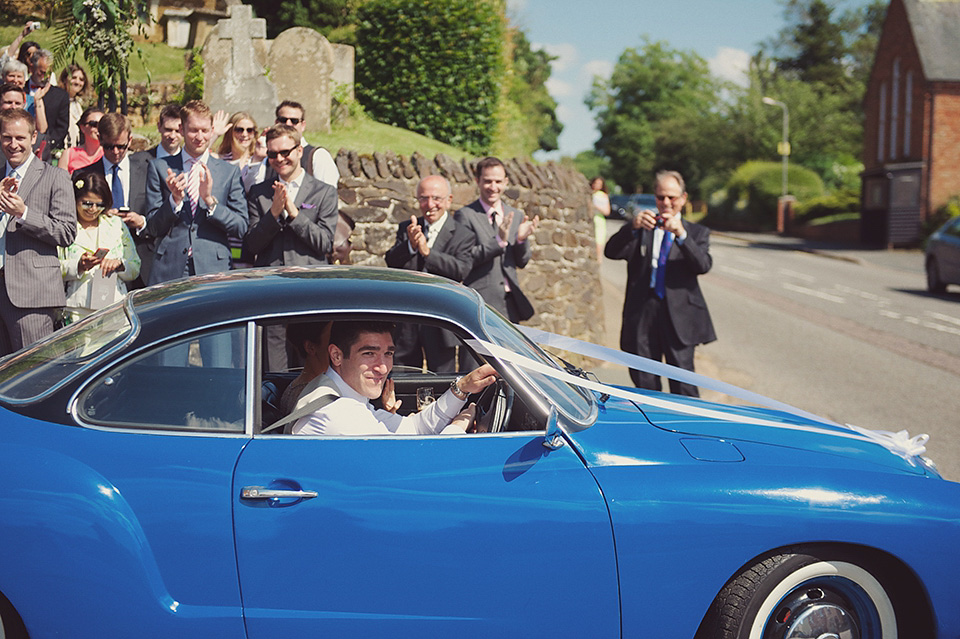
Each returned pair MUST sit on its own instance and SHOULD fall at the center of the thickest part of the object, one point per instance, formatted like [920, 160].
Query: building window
[894, 108]
[907, 113]
[882, 124]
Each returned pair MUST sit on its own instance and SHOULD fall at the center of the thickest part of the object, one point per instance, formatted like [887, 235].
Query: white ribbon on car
[899, 443]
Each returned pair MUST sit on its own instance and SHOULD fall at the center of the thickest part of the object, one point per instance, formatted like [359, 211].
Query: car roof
[192, 303]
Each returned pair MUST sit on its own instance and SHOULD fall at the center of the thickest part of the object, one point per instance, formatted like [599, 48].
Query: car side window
[194, 384]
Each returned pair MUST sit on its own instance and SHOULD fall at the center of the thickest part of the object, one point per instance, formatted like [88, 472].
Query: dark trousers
[651, 335]
[414, 342]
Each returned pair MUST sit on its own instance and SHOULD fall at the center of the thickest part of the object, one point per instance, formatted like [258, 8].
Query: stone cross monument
[235, 80]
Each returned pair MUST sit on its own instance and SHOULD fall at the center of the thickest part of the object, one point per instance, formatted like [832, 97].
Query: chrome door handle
[259, 492]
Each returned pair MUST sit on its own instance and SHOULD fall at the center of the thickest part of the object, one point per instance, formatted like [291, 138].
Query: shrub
[827, 205]
[750, 201]
[433, 66]
[943, 213]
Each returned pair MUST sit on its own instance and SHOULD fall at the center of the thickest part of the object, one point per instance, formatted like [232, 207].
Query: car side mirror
[553, 439]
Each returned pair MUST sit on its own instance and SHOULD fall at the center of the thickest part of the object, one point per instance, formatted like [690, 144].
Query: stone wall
[562, 279]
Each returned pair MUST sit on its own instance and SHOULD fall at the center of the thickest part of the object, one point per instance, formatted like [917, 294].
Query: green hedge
[827, 205]
[433, 66]
[749, 200]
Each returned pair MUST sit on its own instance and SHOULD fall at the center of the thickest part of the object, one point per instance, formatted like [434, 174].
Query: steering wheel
[494, 406]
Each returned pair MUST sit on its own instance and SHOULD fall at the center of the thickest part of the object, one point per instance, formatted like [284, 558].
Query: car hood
[722, 433]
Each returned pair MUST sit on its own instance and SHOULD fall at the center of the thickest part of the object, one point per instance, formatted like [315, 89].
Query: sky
[588, 38]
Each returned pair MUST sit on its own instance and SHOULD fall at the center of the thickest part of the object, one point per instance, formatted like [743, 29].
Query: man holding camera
[664, 313]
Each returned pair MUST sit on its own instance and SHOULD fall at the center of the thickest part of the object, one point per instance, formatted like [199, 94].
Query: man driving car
[361, 358]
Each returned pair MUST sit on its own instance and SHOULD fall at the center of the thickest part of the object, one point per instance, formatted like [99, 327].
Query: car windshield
[573, 402]
[31, 373]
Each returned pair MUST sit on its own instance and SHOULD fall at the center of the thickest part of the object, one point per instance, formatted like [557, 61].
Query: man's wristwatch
[455, 389]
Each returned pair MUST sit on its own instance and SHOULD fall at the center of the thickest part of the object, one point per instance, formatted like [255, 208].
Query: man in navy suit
[194, 203]
[433, 243]
[293, 217]
[168, 125]
[126, 175]
[501, 247]
[664, 313]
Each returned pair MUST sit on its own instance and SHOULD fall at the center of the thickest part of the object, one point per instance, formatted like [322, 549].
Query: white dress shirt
[353, 415]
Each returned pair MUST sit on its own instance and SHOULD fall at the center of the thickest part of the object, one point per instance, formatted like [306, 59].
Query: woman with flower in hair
[103, 256]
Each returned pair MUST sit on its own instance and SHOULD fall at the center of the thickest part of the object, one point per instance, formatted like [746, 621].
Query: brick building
[911, 149]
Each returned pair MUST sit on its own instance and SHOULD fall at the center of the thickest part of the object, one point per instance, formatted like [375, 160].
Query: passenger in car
[361, 358]
[312, 340]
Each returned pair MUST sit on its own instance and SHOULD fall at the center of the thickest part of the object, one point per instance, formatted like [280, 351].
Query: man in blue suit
[194, 203]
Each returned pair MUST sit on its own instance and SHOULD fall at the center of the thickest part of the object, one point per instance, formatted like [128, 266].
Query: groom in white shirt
[361, 358]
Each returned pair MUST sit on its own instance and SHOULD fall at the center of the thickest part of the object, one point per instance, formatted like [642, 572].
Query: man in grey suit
[194, 202]
[126, 175]
[37, 214]
[292, 220]
[501, 247]
[434, 243]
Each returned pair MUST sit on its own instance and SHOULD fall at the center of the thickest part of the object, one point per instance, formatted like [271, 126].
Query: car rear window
[29, 374]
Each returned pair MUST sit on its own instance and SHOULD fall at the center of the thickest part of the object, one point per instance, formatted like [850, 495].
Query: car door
[949, 253]
[467, 536]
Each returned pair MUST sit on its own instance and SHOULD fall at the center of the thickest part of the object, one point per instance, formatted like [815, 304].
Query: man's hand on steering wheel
[478, 379]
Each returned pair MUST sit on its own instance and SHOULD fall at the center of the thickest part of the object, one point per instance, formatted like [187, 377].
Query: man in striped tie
[664, 313]
[194, 203]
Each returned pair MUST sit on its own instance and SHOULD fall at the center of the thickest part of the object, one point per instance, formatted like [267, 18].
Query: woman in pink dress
[89, 152]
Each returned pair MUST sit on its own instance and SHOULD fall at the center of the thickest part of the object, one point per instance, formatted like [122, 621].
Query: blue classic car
[146, 494]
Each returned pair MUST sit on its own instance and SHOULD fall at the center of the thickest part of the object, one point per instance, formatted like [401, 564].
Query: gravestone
[234, 78]
[301, 64]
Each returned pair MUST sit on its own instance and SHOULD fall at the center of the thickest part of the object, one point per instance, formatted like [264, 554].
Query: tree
[100, 30]
[815, 44]
[652, 95]
[531, 70]
[334, 19]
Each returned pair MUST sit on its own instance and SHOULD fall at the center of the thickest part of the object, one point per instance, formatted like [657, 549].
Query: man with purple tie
[664, 313]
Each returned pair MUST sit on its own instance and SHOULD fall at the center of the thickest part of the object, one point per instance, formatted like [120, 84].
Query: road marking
[890, 314]
[940, 327]
[812, 293]
[735, 271]
[800, 276]
[944, 318]
[862, 294]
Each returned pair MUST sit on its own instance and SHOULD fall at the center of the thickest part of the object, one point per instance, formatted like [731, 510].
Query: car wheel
[11, 626]
[934, 283]
[802, 594]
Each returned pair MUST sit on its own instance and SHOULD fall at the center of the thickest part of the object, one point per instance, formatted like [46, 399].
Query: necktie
[193, 183]
[432, 231]
[117, 188]
[661, 285]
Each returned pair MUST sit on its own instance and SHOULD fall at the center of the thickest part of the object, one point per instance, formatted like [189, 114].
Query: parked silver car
[943, 257]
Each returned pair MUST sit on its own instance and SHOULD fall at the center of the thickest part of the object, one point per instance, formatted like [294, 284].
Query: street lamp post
[785, 143]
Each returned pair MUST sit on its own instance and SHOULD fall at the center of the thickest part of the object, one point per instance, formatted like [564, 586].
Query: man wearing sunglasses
[315, 159]
[664, 313]
[194, 203]
[126, 175]
[293, 218]
[37, 215]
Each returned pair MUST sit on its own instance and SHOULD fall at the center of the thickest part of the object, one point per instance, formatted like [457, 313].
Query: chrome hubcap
[813, 613]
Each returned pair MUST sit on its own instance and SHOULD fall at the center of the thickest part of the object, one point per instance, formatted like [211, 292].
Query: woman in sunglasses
[103, 256]
[240, 140]
[89, 150]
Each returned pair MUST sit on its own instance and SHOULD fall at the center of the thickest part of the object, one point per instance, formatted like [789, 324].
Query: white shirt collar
[436, 226]
[22, 169]
[186, 157]
[124, 164]
[345, 389]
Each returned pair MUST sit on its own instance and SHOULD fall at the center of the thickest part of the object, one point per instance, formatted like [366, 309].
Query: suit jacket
[31, 266]
[206, 232]
[306, 239]
[56, 104]
[491, 262]
[685, 303]
[136, 201]
[450, 255]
